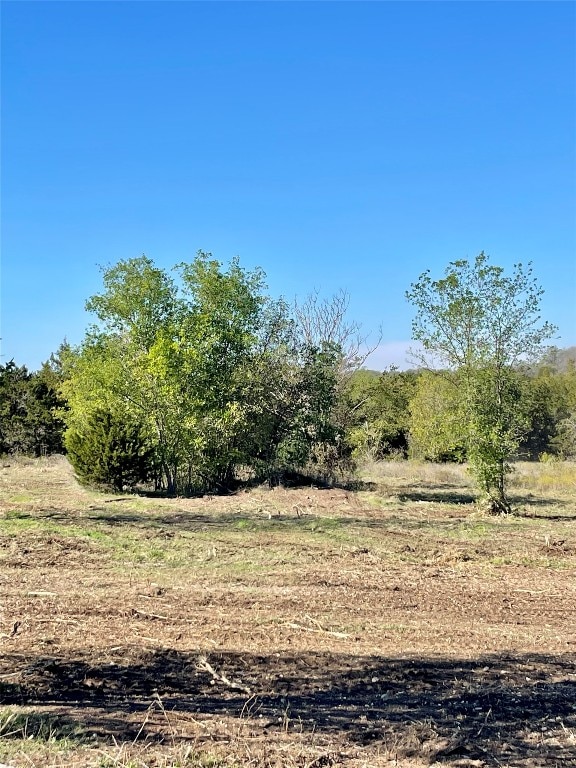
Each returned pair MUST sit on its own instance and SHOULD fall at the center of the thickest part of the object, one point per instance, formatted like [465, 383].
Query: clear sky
[334, 144]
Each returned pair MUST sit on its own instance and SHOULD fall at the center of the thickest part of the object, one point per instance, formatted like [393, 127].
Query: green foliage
[138, 299]
[319, 431]
[110, 452]
[564, 442]
[379, 412]
[549, 403]
[29, 410]
[14, 399]
[476, 316]
[495, 423]
[211, 368]
[436, 420]
[483, 325]
[543, 421]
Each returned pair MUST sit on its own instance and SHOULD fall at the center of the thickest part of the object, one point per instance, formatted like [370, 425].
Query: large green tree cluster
[194, 378]
[209, 368]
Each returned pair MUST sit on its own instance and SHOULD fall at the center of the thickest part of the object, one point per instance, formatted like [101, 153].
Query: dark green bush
[110, 451]
[29, 410]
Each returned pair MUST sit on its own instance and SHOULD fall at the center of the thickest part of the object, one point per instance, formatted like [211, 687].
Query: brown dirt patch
[289, 628]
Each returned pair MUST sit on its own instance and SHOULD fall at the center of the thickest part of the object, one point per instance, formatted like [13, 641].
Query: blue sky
[336, 145]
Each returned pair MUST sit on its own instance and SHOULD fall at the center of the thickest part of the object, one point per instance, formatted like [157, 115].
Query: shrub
[109, 451]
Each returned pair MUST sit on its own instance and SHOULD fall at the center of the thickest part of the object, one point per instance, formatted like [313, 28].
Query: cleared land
[392, 624]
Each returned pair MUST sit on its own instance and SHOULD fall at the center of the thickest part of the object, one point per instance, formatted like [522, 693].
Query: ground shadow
[356, 485]
[496, 708]
[242, 521]
[532, 515]
[286, 480]
[448, 496]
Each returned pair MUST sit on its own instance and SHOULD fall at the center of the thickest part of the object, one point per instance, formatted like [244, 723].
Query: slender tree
[482, 325]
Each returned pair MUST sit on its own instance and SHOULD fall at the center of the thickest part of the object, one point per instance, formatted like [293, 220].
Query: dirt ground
[392, 624]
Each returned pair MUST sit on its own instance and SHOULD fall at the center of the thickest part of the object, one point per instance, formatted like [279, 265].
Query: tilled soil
[318, 653]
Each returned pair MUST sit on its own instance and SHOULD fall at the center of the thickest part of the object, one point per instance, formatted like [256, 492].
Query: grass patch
[16, 514]
[544, 477]
[21, 498]
[36, 727]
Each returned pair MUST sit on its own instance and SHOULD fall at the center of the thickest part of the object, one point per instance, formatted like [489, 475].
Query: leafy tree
[318, 426]
[124, 364]
[210, 368]
[322, 325]
[110, 451]
[563, 443]
[47, 406]
[290, 407]
[379, 408]
[436, 423]
[482, 324]
[163, 354]
[14, 400]
[223, 318]
[547, 402]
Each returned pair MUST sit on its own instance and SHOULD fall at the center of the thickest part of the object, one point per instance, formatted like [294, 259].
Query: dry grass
[546, 477]
[417, 472]
[390, 625]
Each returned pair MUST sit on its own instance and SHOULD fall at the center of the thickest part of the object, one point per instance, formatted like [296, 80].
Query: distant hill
[559, 360]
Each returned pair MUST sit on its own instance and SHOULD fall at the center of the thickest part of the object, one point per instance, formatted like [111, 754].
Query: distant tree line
[31, 409]
[192, 381]
[415, 414]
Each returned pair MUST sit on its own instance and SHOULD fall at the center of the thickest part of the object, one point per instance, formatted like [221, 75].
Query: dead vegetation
[389, 625]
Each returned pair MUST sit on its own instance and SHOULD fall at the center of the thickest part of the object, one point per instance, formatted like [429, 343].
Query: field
[388, 624]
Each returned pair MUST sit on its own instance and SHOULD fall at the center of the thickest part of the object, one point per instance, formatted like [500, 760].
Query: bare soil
[392, 624]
